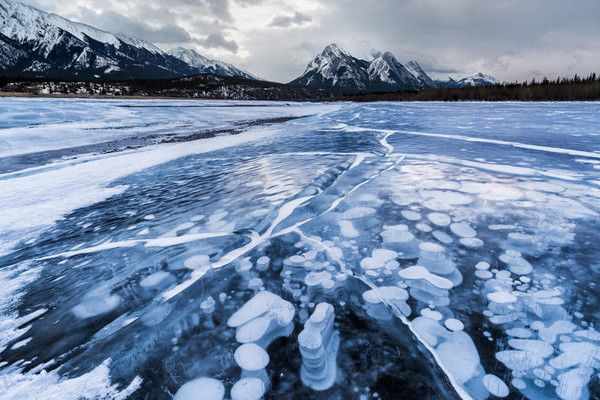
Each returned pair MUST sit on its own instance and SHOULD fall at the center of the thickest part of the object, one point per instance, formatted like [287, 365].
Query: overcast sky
[275, 39]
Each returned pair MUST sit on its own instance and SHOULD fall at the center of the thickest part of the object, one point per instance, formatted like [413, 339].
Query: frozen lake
[300, 251]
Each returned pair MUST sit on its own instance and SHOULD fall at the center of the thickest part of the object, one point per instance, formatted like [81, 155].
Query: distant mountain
[207, 66]
[336, 68]
[387, 74]
[34, 43]
[414, 68]
[473, 80]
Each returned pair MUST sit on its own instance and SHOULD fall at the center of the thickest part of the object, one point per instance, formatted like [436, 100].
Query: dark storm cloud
[115, 22]
[284, 21]
[216, 41]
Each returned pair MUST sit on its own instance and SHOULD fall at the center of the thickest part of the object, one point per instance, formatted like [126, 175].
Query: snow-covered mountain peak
[23, 22]
[206, 65]
[334, 50]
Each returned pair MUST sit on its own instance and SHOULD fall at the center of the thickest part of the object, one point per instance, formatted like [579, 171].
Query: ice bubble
[95, 303]
[251, 357]
[322, 278]
[262, 264]
[411, 215]
[571, 384]
[516, 263]
[439, 200]
[482, 265]
[471, 242]
[500, 192]
[208, 305]
[463, 230]
[429, 329]
[560, 327]
[431, 314]
[385, 294]
[590, 334]
[484, 275]
[156, 279]
[502, 297]
[197, 262]
[459, 355]
[248, 389]
[518, 360]
[454, 324]
[347, 229]
[244, 265]
[262, 318]
[255, 283]
[442, 237]
[418, 272]
[538, 347]
[431, 251]
[201, 388]
[424, 228]
[358, 212]
[319, 344]
[521, 333]
[518, 383]
[401, 241]
[585, 349]
[495, 385]
[439, 219]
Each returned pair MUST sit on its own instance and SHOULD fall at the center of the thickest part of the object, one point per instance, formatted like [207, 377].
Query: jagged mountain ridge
[476, 79]
[34, 43]
[206, 65]
[337, 68]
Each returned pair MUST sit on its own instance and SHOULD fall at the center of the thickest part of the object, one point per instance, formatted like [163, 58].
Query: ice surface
[472, 248]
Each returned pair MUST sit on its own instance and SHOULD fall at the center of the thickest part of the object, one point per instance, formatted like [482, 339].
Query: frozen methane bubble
[253, 360]
[411, 215]
[358, 212]
[348, 230]
[454, 325]
[518, 360]
[495, 385]
[439, 219]
[433, 257]
[262, 264]
[319, 344]
[248, 389]
[157, 279]
[201, 388]
[96, 302]
[516, 264]
[502, 297]
[443, 237]
[571, 384]
[420, 273]
[463, 230]
[197, 262]
[399, 239]
[459, 354]
[379, 258]
[262, 319]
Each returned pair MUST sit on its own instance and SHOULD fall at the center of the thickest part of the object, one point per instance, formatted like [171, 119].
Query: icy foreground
[361, 251]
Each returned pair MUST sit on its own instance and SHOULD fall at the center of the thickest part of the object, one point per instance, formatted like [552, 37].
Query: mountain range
[337, 68]
[38, 44]
[34, 43]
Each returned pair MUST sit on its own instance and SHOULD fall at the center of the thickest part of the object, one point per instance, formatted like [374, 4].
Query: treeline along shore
[213, 87]
[562, 89]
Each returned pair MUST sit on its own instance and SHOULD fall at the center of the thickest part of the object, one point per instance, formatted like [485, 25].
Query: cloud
[510, 39]
[119, 23]
[283, 21]
[216, 41]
